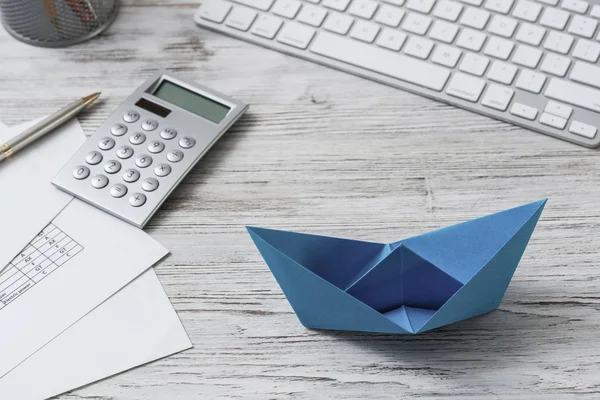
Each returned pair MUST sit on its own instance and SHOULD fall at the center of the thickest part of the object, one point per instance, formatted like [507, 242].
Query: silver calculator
[143, 150]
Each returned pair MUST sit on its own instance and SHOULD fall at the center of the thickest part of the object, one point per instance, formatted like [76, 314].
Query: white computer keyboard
[531, 63]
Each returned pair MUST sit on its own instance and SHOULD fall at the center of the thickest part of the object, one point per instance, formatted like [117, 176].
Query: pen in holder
[57, 23]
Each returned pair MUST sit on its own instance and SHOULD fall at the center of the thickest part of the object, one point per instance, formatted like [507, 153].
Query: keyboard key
[106, 143]
[578, 6]
[465, 87]
[474, 64]
[296, 35]
[555, 18]
[81, 172]
[131, 175]
[214, 10]
[99, 181]
[501, 6]
[389, 15]
[241, 18]
[365, 31]
[94, 158]
[391, 39]
[137, 200]
[503, 26]
[446, 55]
[527, 10]
[339, 5]
[530, 34]
[527, 56]
[266, 26]
[587, 50]
[595, 13]
[418, 47]
[396, 65]
[470, 39]
[124, 152]
[448, 10]
[582, 26]
[423, 6]
[312, 15]
[143, 161]
[555, 64]
[416, 23]
[531, 81]
[553, 121]
[586, 73]
[497, 97]
[502, 72]
[119, 190]
[150, 185]
[363, 8]
[474, 18]
[286, 8]
[523, 111]
[112, 167]
[560, 110]
[338, 23]
[263, 5]
[162, 170]
[499, 48]
[443, 31]
[581, 129]
[573, 93]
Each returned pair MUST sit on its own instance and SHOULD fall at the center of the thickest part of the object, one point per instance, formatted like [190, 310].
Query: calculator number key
[150, 185]
[106, 143]
[119, 190]
[112, 167]
[156, 147]
[94, 158]
[137, 200]
[143, 161]
[187, 142]
[137, 138]
[118, 130]
[81, 172]
[175, 156]
[131, 175]
[168, 133]
[149, 125]
[131, 116]
[162, 170]
[125, 152]
[99, 181]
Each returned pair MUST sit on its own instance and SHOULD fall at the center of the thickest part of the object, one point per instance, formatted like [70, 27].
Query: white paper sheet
[27, 193]
[135, 326]
[113, 253]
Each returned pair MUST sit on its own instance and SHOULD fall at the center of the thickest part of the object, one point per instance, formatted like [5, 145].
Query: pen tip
[91, 98]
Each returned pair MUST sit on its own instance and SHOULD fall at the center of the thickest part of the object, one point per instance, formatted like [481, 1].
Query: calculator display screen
[192, 102]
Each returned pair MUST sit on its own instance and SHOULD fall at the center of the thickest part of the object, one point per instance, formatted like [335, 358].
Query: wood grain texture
[329, 153]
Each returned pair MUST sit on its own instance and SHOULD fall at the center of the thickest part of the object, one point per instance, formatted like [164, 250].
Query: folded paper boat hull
[405, 287]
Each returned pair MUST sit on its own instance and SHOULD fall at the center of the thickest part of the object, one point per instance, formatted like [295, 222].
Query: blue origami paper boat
[406, 287]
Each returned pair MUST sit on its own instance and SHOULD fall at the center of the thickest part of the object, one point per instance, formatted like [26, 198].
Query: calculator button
[131, 175]
[175, 156]
[162, 170]
[81, 172]
[93, 158]
[143, 161]
[106, 143]
[99, 181]
[131, 116]
[187, 142]
[137, 138]
[150, 185]
[125, 152]
[112, 167]
[137, 199]
[156, 147]
[118, 130]
[119, 190]
[168, 133]
[149, 125]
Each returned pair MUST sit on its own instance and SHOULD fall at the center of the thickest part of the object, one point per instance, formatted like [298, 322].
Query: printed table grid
[49, 250]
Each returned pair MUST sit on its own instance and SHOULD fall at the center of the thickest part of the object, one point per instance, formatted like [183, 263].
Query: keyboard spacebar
[379, 60]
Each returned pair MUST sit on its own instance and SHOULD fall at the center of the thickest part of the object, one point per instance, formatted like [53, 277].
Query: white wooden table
[329, 153]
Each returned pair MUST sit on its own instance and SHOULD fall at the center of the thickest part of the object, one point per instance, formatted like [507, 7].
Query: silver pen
[46, 125]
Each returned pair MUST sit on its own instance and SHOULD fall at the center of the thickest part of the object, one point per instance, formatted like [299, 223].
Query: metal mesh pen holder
[57, 23]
